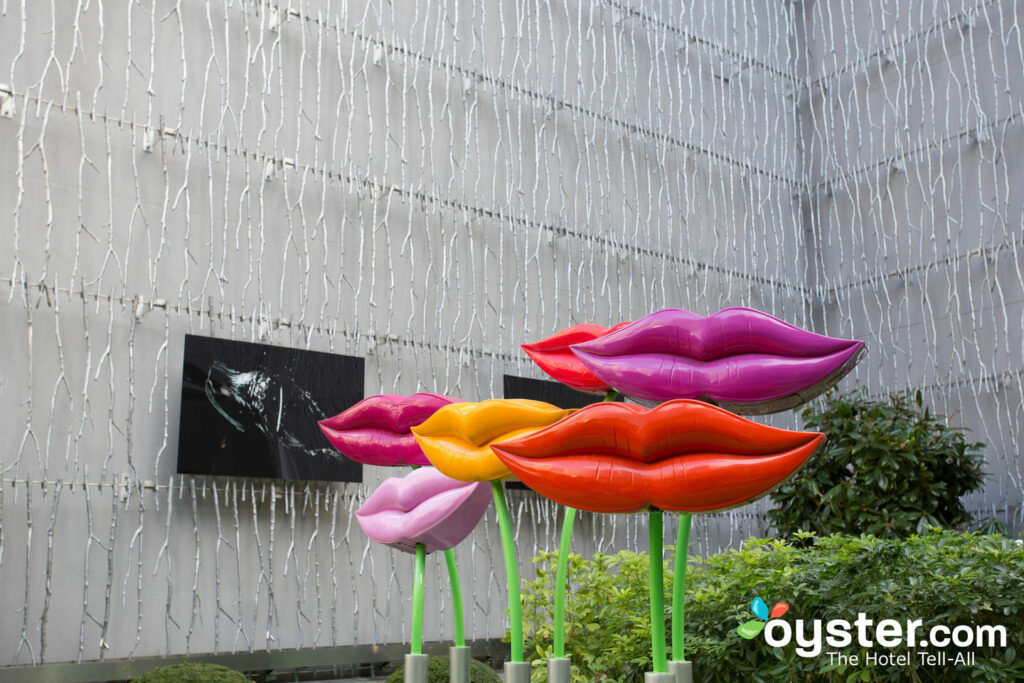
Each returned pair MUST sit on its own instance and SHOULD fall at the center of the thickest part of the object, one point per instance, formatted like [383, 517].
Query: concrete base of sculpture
[683, 671]
[458, 658]
[517, 672]
[651, 677]
[415, 669]
[559, 670]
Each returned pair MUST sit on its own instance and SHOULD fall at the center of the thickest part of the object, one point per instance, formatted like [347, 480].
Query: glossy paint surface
[457, 437]
[376, 431]
[554, 357]
[424, 507]
[739, 358]
[684, 456]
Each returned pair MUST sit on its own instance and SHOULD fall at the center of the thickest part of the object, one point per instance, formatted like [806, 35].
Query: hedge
[941, 577]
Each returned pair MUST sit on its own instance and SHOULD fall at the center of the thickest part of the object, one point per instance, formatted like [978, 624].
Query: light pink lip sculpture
[375, 431]
[423, 507]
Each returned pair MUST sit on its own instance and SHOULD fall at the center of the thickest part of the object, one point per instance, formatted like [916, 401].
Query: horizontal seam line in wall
[1011, 507]
[898, 46]
[554, 103]
[283, 490]
[142, 306]
[694, 38]
[993, 381]
[128, 484]
[903, 273]
[931, 145]
[386, 189]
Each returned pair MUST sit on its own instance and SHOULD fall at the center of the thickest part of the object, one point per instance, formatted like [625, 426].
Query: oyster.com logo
[752, 628]
[935, 645]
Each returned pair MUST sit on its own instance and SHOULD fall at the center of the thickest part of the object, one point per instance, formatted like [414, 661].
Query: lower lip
[696, 482]
[750, 380]
[377, 447]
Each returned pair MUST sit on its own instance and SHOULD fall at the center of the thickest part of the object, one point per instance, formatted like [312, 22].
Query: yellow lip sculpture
[457, 438]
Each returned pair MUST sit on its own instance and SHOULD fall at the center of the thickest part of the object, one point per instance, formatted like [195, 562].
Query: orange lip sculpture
[683, 455]
[457, 437]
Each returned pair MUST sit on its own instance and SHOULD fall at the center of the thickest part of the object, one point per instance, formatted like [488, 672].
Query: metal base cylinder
[458, 658]
[415, 669]
[651, 677]
[559, 670]
[683, 671]
[517, 672]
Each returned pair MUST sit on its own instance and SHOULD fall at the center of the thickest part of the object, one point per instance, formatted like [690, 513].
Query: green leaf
[751, 628]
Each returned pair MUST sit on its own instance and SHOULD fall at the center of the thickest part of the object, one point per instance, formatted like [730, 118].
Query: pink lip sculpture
[376, 431]
[424, 507]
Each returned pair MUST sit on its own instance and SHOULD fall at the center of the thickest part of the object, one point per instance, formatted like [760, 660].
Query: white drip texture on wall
[428, 186]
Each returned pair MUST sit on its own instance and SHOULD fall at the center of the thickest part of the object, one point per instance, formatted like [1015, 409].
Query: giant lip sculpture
[554, 356]
[420, 513]
[741, 359]
[685, 455]
[682, 456]
[458, 439]
[423, 508]
[377, 430]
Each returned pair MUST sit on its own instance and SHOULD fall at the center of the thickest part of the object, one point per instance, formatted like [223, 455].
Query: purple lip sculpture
[424, 507]
[738, 358]
[375, 431]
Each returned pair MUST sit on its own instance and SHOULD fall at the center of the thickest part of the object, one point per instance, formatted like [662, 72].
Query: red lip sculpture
[554, 356]
[684, 455]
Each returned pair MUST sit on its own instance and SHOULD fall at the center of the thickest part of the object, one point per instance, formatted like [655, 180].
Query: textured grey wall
[912, 137]
[429, 186]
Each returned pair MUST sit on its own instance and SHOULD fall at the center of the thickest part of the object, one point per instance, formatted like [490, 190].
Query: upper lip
[740, 358]
[423, 507]
[554, 357]
[376, 431]
[457, 437]
[683, 455]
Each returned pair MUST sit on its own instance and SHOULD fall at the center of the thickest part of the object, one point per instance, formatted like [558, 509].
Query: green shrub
[941, 577]
[608, 616]
[193, 672]
[890, 468]
[438, 672]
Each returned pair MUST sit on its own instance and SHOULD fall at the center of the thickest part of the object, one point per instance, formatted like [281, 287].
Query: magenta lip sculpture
[375, 431]
[738, 358]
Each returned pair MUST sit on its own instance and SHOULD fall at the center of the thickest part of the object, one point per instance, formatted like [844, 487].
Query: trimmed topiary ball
[193, 672]
[438, 672]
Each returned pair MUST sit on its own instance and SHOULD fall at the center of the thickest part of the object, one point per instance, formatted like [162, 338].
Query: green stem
[453, 578]
[515, 607]
[679, 589]
[562, 574]
[657, 584]
[417, 599]
[561, 577]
